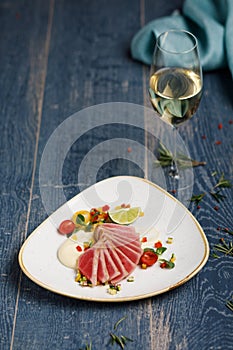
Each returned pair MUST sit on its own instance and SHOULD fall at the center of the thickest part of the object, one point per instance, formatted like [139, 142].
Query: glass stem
[174, 170]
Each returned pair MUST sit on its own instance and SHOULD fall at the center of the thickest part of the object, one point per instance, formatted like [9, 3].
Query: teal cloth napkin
[211, 21]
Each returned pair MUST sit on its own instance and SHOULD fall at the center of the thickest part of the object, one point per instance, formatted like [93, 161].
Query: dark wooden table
[58, 57]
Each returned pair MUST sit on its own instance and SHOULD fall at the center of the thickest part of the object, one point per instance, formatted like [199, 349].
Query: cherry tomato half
[66, 227]
[149, 258]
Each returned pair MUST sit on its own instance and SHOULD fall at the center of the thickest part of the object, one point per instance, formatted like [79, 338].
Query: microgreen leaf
[81, 217]
[149, 250]
[161, 250]
[80, 220]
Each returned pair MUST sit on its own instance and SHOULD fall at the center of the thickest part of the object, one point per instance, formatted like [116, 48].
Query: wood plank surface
[59, 57]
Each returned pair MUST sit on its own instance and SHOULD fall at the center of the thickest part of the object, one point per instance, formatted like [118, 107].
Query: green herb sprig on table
[119, 340]
[222, 183]
[165, 158]
[87, 347]
[229, 304]
[223, 247]
[197, 198]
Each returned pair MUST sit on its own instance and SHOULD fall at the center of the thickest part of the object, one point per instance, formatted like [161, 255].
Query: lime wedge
[125, 216]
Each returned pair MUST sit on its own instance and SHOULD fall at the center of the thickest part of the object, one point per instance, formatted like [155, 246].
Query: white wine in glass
[175, 80]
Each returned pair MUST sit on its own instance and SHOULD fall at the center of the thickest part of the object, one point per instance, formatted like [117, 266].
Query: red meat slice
[102, 272]
[129, 266]
[111, 266]
[126, 264]
[133, 255]
[88, 264]
[120, 267]
[132, 248]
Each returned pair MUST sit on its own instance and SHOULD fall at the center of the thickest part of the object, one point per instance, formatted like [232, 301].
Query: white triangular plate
[38, 255]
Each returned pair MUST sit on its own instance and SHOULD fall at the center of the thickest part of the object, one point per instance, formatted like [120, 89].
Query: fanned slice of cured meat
[88, 264]
[102, 273]
[131, 250]
[129, 266]
[111, 266]
[132, 254]
[120, 267]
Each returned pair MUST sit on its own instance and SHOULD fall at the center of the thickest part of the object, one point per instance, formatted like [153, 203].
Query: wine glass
[175, 81]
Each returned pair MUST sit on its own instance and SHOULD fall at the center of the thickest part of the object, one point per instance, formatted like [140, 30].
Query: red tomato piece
[158, 244]
[163, 265]
[149, 258]
[66, 227]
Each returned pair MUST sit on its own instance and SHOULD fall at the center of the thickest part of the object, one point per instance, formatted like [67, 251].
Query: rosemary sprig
[222, 182]
[118, 322]
[87, 347]
[229, 304]
[165, 158]
[119, 340]
[225, 248]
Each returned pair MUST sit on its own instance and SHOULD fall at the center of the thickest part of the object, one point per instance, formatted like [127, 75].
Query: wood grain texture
[58, 57]
[23, 34]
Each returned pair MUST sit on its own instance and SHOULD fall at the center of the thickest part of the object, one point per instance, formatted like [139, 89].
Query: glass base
[174, 174]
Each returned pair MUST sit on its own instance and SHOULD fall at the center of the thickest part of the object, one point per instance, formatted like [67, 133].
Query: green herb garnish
[118, 322]
[160, 251]
[222, 182]
[223, 247]
[167, 264]
[149, 250]
[87, 347]
[197, 198]
[165, 158]
[80, 220]
[119, 340]
[229, 304]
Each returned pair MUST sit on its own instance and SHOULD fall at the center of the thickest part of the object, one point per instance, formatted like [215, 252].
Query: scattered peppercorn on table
[58, 58]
